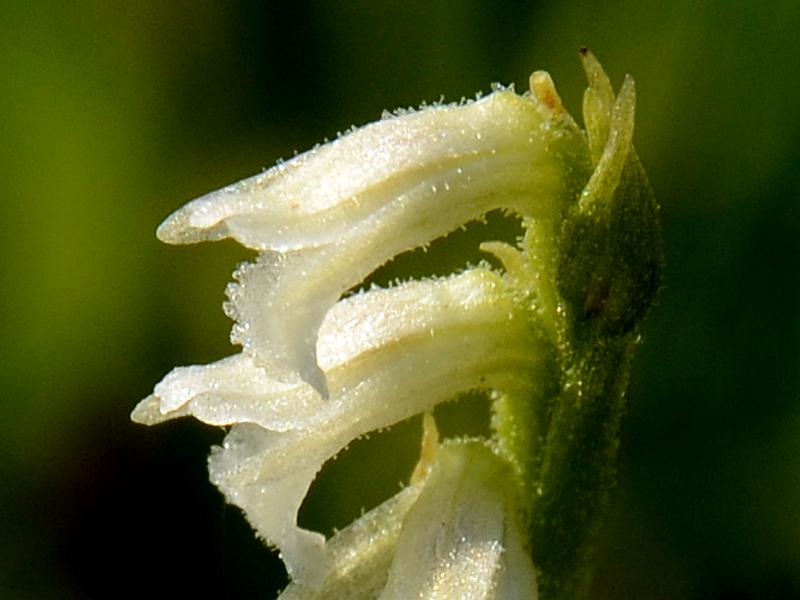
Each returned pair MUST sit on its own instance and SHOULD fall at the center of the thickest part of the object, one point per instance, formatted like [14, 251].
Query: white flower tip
[178, 229]
[214, 216]
[171, 229]
[147, 412]
[150, 411]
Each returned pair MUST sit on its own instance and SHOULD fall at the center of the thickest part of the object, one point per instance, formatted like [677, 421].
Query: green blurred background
[114, 114]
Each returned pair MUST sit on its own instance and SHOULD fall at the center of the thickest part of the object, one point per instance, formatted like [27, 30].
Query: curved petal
[360, 555]
[389, 354]
[331, 216]
[367, 341]
[461, 538]
[457, 155]
[232, 390]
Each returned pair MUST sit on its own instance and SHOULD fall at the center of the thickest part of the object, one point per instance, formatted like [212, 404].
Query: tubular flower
[549, 336]
[328, 218]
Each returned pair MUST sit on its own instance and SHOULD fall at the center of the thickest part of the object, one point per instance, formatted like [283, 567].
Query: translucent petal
[232, 390]
[271, 498]
[359, 556]
[468, 157]
[461, 539]
[366, 342]
[390, 354]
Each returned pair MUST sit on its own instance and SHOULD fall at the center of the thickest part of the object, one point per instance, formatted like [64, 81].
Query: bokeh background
[114, 114]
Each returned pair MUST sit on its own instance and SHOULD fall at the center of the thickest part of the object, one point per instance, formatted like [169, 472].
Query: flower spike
[328, 218]
[549, 336]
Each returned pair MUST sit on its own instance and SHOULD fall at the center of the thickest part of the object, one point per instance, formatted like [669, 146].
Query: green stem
[577, 470]
[590, 275]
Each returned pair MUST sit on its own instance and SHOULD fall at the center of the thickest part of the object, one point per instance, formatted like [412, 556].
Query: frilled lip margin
[382, 352]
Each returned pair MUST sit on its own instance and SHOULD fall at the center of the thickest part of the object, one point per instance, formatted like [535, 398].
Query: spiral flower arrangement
[549, 335]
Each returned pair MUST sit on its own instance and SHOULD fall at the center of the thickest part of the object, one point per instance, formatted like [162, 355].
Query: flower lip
[364, 339]
[383, 350]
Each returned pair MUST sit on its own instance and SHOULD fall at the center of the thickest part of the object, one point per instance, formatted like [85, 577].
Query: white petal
[416, 346]
[461, 540]
[271, 500]
[359, 556]
[281, 301]
[472, 157]
[340, 211]
[366, 342]
[232, 390]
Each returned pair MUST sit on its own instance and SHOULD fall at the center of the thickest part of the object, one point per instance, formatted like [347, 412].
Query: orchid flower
[549, 336]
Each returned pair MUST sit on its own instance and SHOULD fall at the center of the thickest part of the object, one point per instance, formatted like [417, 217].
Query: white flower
[462, 538]
[454, 535]
[324, 221]
[317, 372]
[327, 218]
[383, 353]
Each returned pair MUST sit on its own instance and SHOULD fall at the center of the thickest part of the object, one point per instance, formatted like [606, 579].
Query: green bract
[550, 336]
